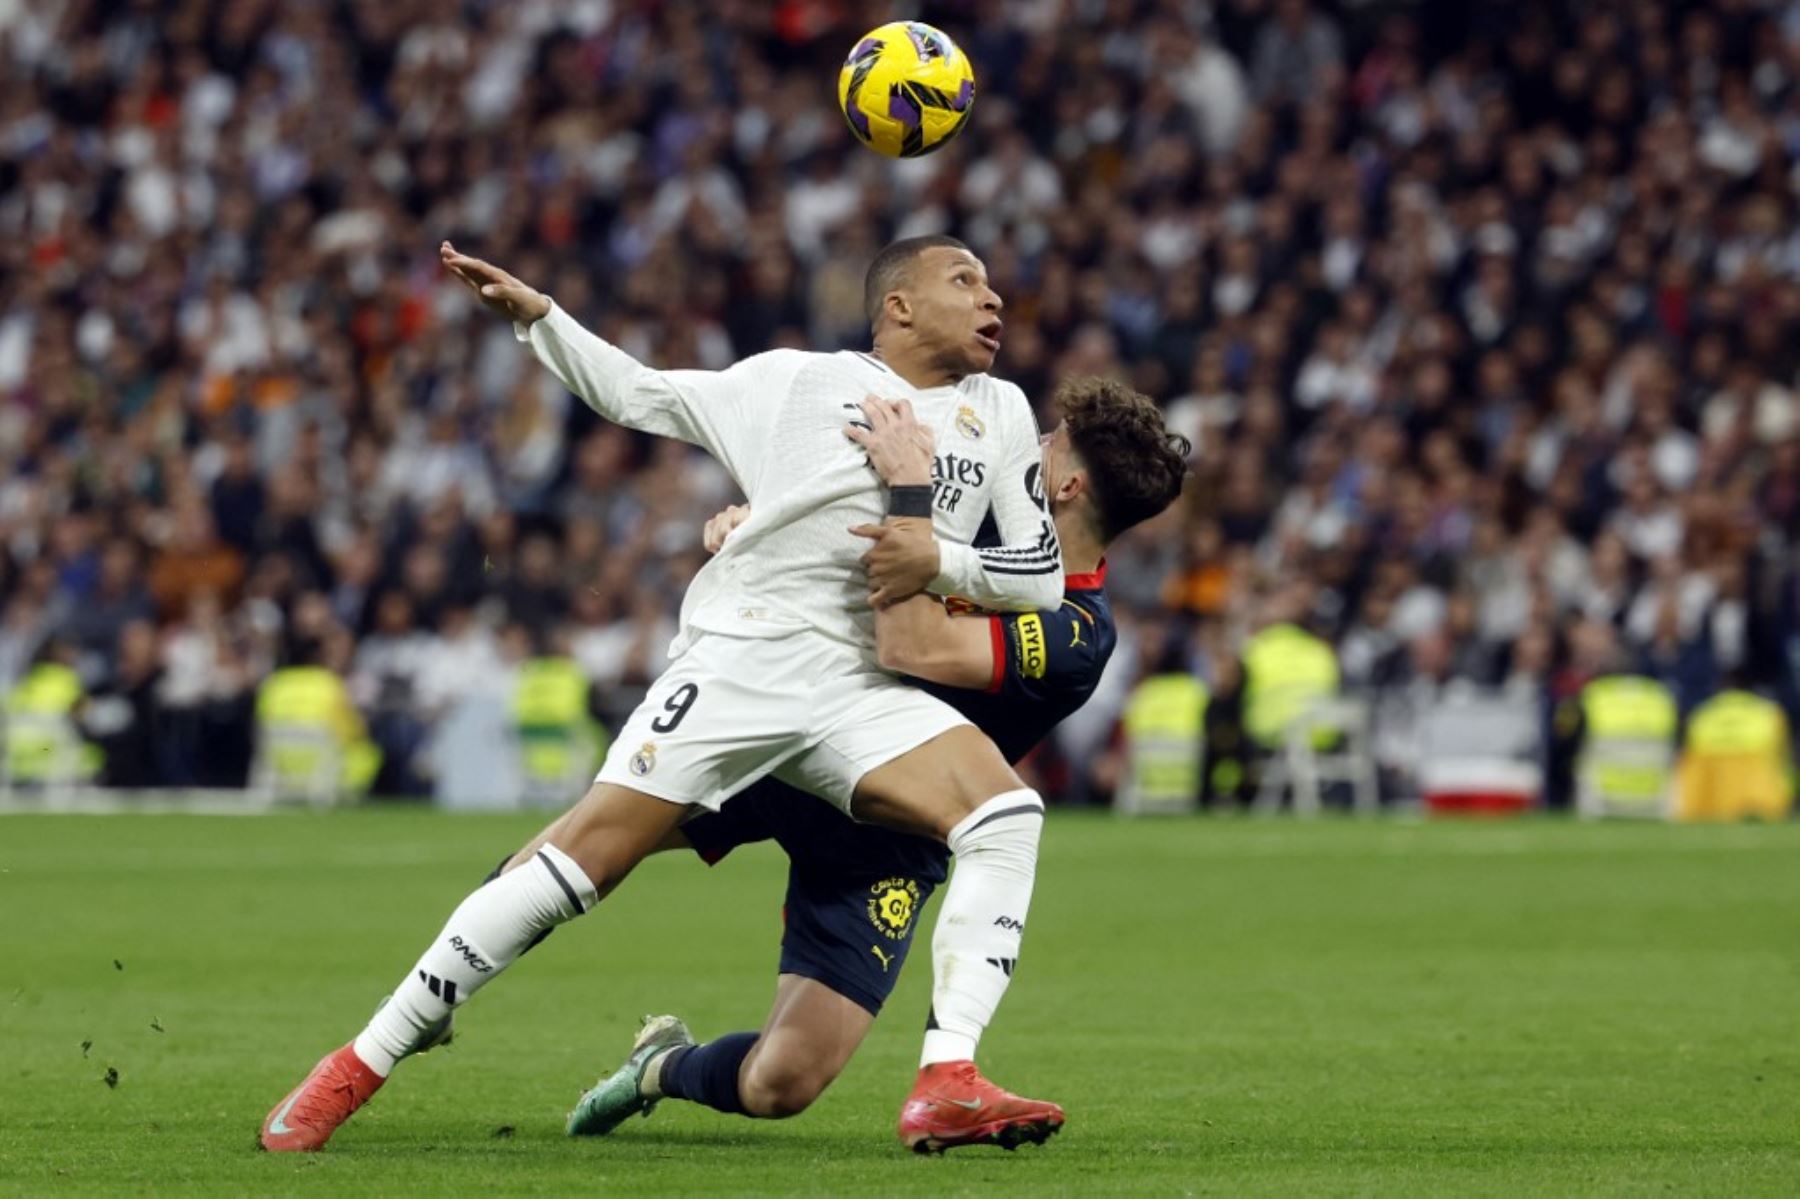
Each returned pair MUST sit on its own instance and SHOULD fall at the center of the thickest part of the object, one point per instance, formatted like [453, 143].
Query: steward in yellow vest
[43, 740]
[1626, 761]
[1287, 670]
[1164, 726]
[309, 699]
[1737, 760]
[558, 735]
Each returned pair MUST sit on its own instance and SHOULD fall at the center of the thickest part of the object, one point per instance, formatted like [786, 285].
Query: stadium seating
[1483, 318]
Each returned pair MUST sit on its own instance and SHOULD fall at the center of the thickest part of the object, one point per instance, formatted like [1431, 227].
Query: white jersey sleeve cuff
[958, 567]
[549, 321]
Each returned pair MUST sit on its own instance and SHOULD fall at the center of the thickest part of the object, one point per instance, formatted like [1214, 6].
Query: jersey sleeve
[1052, 653]
[1025, 571]
[726, 413]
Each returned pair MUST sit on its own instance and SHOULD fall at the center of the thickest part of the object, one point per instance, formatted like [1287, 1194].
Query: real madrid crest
[644, 760]
[968, 424]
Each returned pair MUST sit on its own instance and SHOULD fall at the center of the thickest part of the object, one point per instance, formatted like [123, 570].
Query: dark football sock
[707, 1074]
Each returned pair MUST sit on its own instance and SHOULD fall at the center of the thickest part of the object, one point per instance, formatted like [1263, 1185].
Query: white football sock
[485, 935]
[976, 943]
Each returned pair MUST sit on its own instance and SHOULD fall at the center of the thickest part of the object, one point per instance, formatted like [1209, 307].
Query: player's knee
[775, 1089]
[978, 772]
[932, 796]
[1006, 829]
[611, 830]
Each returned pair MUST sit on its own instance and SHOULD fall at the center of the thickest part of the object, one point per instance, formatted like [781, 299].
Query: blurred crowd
[1482, 318]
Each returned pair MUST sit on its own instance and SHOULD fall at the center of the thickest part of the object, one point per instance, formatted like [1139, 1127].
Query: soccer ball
[906, 89]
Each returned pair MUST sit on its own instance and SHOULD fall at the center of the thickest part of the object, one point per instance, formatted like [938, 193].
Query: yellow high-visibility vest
[40, 710]
[1738, 722]
[48, 689]
[1627, 751]
[1164, 724]
[1286, 671]
[303, 697]
[1737, 760]
[550, 716]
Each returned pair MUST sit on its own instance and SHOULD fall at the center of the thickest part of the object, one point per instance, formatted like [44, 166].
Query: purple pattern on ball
[859, 121]
[902, 109]
[964, 94]
[924, 43]
[867, 46]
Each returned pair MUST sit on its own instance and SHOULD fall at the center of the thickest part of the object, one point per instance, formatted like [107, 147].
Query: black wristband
[910, 499]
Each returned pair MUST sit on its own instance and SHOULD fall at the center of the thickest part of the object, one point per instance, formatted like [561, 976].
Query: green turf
[1223, 1007]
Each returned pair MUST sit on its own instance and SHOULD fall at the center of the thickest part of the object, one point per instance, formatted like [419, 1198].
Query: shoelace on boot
[317, 1105]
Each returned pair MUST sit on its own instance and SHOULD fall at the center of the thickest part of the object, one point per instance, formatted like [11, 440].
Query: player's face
[1060, 462]
[955, 312]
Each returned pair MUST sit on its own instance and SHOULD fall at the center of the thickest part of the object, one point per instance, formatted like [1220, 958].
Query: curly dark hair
[1135, 465]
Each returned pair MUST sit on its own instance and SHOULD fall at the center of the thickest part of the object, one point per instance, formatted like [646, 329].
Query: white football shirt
[776, 422]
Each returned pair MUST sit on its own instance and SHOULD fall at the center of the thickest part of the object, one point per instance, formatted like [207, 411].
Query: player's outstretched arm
[499, 291]
[715, 410]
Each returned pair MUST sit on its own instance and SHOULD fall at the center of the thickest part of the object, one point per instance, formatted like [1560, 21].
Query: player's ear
[897, 307]
[1074, 484]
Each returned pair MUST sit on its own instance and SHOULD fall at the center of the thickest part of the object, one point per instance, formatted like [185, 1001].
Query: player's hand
[899, 447]
[903, 561]
[721, 526]
[498, 290]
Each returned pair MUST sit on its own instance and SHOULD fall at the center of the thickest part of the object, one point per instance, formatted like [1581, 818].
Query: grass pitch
[1224, 1008]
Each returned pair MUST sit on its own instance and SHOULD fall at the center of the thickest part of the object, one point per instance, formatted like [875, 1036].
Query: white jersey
[776, 422]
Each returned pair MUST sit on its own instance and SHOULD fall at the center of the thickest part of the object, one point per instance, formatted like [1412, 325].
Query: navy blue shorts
[854, 891]
[851, 933]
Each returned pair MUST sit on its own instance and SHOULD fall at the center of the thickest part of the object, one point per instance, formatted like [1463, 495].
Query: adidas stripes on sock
[976, 943]
[485, 935]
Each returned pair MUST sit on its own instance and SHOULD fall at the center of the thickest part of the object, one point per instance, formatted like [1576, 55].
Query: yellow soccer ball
[906, 89]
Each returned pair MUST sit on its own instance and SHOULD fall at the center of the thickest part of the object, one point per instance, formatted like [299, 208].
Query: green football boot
[617, 1097]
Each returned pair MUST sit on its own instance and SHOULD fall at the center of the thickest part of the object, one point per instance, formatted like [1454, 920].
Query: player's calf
[608, 832]
[815, 1026]
[975, 946]
[774, 1088]
[564, 872]
[485, 935]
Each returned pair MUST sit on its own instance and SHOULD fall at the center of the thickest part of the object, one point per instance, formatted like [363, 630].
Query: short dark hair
[1135, 465]
[889, 270]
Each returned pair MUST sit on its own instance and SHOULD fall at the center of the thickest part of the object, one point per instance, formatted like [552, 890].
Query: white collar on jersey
[872, 360]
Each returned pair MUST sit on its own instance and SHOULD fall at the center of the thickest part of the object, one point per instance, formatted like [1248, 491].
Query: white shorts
[730, 710]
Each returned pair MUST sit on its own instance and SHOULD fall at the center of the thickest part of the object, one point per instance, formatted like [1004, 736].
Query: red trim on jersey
[997, 627]
[1087, 582]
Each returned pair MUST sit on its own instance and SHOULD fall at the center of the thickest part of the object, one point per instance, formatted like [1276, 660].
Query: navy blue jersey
[855, 890]
[1046, 664]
